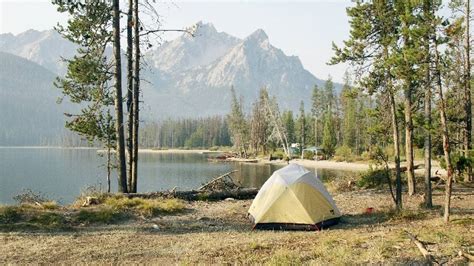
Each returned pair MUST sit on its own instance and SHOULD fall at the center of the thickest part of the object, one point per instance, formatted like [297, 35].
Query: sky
[302, 28]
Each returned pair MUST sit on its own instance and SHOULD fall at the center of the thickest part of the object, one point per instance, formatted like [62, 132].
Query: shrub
[9, 214]
[278, 154]
[344, 152]
[372, 178]
[28, 196]
[308, 155]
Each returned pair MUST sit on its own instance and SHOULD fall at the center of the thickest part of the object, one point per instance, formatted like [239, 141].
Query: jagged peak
[258, 36]
[205, 29]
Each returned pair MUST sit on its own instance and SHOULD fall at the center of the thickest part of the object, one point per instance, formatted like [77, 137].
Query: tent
[293, 198]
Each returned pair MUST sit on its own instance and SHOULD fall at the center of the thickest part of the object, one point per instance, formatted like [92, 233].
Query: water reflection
[62, 173]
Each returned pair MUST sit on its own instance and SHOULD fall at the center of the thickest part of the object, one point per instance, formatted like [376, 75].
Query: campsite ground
[219, 232]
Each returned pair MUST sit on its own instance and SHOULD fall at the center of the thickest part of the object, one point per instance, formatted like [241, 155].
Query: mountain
[191, 76]
[42, 47]
[28, 103]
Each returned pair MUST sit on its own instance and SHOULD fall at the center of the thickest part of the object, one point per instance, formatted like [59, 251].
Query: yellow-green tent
[293, 198]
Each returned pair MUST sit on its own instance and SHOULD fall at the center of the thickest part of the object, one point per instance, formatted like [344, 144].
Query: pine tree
[329, 134]
[238, 125]
[348, 100]
[374, 36]
[87, 81]
[301, 122]
[317, 110]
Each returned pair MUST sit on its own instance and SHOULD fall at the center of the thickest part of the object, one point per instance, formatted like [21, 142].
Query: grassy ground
[172, 231]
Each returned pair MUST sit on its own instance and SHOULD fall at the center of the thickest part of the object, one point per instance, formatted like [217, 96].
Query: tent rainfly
[293, 198]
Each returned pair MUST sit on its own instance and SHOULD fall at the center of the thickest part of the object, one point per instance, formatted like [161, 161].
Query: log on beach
[243, 193]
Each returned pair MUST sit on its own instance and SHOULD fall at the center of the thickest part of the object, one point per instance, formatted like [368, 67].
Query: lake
[61, 174]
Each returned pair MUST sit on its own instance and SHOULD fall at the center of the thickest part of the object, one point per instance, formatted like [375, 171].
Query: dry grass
[219, 233]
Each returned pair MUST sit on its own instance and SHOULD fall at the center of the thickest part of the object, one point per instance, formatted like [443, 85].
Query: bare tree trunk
[108, 164]
[427, 145]
[409, 141]
[427, 10]
[130, 93]
[446, 148]
[467, 91]
[136, 94]
[119, 131]
[396, 146]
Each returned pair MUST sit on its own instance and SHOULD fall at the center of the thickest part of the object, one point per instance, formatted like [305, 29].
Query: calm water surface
[62, 174]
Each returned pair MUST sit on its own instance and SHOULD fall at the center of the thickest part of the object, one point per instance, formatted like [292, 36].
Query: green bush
[344, 153]
[308, 155]
[279, 154]
[9, 214]
[372, 178]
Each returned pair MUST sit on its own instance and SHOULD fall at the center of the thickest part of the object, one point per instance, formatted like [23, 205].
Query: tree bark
[427, 146]
[119, 131]
[409, 141]
[446, 147]
[467, 91]
[136, 94]
[396, 146]
[427, 10]
[130, 93]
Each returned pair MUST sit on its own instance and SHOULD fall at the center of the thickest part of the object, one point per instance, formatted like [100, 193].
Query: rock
[156, 227]
[90, 201]
[229, 199]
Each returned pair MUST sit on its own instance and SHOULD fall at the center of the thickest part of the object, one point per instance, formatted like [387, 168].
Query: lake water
[61, 174]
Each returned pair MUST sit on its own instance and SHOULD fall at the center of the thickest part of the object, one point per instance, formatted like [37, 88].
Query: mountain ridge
[192, 76]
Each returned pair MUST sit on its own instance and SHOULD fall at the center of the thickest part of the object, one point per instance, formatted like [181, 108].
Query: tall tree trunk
[136, 94]
[445, 134]
[130, 93]
[119, 131]
[396, 146]
[427, 144]
[409, 141]
[427, 13]
[467, 90]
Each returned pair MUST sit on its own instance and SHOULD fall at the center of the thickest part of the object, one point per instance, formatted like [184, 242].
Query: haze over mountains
[186, 77]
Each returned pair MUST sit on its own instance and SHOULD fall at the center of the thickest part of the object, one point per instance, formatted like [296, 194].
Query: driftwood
[243, 193]
[466, 255]
[222, 178]
[420, 246]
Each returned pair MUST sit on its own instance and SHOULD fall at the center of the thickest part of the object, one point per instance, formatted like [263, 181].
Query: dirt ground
[220, 233]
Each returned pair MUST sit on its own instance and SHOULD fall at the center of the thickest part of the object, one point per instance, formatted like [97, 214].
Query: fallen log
[466, 255]
[421, 247]
[192, 195]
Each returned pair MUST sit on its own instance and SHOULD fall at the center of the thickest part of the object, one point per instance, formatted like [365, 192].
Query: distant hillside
[29, 114]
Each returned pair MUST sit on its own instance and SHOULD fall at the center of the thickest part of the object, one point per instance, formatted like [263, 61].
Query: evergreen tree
[87, 81]
[301, 122]
[329, 134]
[348, 101]
[289, 124]
[238, 125]
[317, 110]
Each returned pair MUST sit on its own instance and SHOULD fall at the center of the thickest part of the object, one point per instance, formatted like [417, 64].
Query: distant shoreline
[49, 147]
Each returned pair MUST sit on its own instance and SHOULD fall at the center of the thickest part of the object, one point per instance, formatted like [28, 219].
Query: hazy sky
[302, 28]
